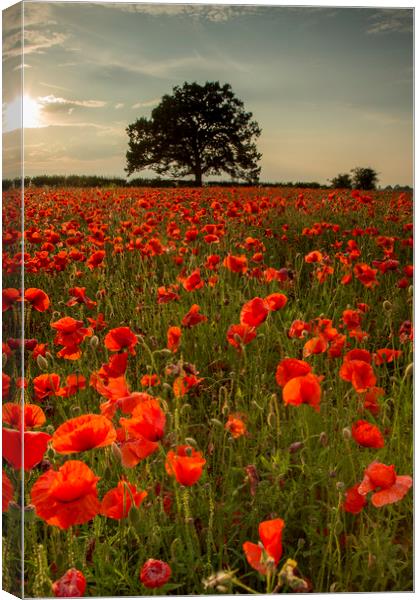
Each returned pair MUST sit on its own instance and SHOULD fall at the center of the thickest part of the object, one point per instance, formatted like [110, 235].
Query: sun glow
[27, 108]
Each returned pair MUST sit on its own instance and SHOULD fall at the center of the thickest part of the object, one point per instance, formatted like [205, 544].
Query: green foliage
[198, 130]
[364, 178]
[341, 181]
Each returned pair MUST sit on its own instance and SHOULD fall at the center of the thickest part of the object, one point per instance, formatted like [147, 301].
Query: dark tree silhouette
[198, 130]
[341, 181]
[364, 178]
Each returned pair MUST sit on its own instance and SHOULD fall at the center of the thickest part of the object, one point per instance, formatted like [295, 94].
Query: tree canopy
[198, 130]
[364, 178]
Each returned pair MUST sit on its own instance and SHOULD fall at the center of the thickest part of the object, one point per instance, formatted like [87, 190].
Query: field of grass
[328, 272]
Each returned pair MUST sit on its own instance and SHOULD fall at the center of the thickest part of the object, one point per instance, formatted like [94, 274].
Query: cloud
[119, 105]
[391, 21]
[147, 103]
[53, 103]
[22, 66]
[212, 13]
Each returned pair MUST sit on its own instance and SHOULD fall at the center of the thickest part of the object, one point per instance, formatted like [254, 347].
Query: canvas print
[207, 299]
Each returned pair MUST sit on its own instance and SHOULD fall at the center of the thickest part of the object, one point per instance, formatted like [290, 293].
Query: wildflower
[117, 502]
[235, 426]
[9, 297]
[185, 464]
[289, 368]
[46, 385]
[34, 447]
[148, 420]
[71, 585]
[390, 486]
[386, 355]
[276, 301]
[193, 317]
[121, 338]
[83, 433]
[240, 334]
[173, 338]
[367, 435]
[68, 496]
[270, 533]
[33, 415]
[354, 502]
[254, 312]
[155, 573]
[303, 390]
[359, 373]
[38, 299]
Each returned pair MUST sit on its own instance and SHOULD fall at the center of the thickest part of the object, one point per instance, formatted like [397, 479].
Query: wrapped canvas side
[13, 497]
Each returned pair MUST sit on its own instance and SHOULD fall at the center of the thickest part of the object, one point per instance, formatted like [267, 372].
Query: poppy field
[217, 391]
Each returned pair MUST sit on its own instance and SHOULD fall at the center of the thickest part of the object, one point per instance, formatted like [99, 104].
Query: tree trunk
[198, 178]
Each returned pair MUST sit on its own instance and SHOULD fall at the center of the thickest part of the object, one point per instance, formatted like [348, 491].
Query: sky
[331, 88]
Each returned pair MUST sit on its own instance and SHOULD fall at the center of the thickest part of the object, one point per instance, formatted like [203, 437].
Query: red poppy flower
[117, 502]
[71, 585]
[236, 264]
[238, 335]
[33, 415]
[316, 345]
[235, 426]
[391, 487]
[97, 324]
[148, 420]
[303, 390]
[46, 385]
[354, 502]
[358, 354]
[366, 275]
[95, 259]
[173, 338]
[313, 257]
[75, 382]
[35, 445]
[360, 374]
[352, 319]
[83, 433]
[135, 449]
[165, 295]
[367, 435]
[38, 299]
[182, 385]
[186, 465]
[297, 329]
[370, 399]
[70, 334]
[9, 297]
[270, 533]
[78, 296]
[193, 317]
[193, 282]
[276, 301]
[386, 355]
[289, 368]
[254, 312]
[68, 496]
[7, 492]
[121, 338]
[155, 573]
[150, 380]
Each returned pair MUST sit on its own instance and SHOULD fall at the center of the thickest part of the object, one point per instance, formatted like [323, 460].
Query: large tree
[198, 130]
[364, 178]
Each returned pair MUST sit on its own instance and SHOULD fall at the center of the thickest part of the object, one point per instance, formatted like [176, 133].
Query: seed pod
[116, 451]
[295, 447]
[408, 371]
[94, 341]
[386, 305]
[323, 439]
[42, 363]
[346, 433]
[340, 485]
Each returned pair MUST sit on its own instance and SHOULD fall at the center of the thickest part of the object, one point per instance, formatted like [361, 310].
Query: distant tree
[198, 130]
[342, 181]
[364, 178]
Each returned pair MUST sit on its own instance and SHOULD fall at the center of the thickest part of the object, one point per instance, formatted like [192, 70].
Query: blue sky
[331, 88]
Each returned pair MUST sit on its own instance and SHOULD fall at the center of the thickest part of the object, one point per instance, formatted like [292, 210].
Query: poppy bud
[346, 433]
[94, 341]
[295, 447]
[217, 422]
[386, 305]
[408, 371]
[167, 387]
[75, 410]
[42, 363]
[4, 359]
[116, 451]
[222, 589]
[323, 439]
[340, 485]
[49, 356]
[191, 441]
